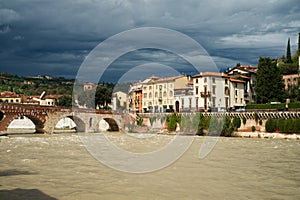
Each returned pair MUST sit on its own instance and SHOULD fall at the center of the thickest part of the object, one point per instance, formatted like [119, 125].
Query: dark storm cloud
[54, 37]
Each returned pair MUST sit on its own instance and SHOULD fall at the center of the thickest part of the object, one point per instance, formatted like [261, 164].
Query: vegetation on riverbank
[283, 125]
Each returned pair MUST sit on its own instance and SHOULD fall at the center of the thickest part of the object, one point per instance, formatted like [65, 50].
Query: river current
[59, 166]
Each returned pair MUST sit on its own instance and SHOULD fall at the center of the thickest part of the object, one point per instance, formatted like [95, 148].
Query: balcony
[203, 94]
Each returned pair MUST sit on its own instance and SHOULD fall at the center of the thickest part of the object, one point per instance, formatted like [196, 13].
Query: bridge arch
[113, 125]
[38, 123]
[1, 115]
[80, 125]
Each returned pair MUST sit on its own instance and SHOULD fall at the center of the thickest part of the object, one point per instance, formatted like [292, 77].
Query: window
[150, 95]
[165, 93]
[226, 81]
[11, 100]
[196, 80]
[214, 102]
[150, 87]
[171, 93]
[17, 100]
[197, 102]
[190, 103]
[156, 94]
[182, 103]
[214, 80]
[241, 100]
[236, 92]
[197, 90]
[205, 80]
[171, 85]
[214, 89]
[226, 91]
[145, 95]
[235, 100]
[145, 88]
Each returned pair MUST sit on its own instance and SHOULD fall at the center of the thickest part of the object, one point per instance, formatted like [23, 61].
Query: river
[59, 166]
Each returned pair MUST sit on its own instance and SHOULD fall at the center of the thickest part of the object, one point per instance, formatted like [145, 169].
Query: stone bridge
[45, 118]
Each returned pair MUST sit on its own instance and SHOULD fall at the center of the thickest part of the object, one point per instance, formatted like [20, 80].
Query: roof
[155, 79]
[237, 80]
[216, 74]
[249, 68]
[8, 94]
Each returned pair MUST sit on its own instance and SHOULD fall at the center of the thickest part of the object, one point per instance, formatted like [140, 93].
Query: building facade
[216, 91]
[158, 93]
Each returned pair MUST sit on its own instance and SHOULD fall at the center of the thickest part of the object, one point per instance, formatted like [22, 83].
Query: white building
[119, 100]
[248, 74]
[217, 91]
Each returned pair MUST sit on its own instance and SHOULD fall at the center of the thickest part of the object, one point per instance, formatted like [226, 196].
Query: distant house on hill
[11, 97]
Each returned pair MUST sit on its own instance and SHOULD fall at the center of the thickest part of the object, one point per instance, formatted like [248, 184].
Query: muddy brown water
[59, 166]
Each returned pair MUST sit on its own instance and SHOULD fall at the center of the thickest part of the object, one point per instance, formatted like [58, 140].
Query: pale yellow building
[11, 97]
[158, 93]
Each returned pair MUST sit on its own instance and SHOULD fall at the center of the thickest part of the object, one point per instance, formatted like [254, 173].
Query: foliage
[253, 128]
[139, 120]
[269, 85]
[283, 125]
[260, 122]
[227, 127]
[270, 125]
[288, 52]
[244, 120]
[65, 101]
[152, 120]
[236, 122]
[103, 96]
[172, 121]
[256, 117]
[265, 106]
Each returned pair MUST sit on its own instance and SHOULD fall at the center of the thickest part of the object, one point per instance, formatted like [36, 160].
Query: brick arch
[113, 125]
[1, 115]
[39, 125]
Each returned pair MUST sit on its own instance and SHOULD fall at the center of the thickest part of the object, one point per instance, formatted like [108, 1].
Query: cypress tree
[288, 52]
[299, 43]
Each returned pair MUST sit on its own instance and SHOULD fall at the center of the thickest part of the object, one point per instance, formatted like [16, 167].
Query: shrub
[253, 128]
[244, 120]
[260, 122]
[139, 121]
[270, 125]
[236, 123]
[172, 121]
[256, 117]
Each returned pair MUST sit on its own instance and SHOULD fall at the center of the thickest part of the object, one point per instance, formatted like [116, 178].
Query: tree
[65, 101]
[269, 85]
[103, 96]
[299, 43]
[288, 52]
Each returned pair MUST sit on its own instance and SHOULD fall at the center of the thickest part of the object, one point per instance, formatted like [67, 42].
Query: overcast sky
[53, 37]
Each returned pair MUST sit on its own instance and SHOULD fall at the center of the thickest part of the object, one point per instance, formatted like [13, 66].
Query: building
[185, 101]
[236, 93]
[158, 93]
[216, 91]
[136, 97]
[247, 74]
[119, 100]
[11, 97]
[89, 86]
[290, 80]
